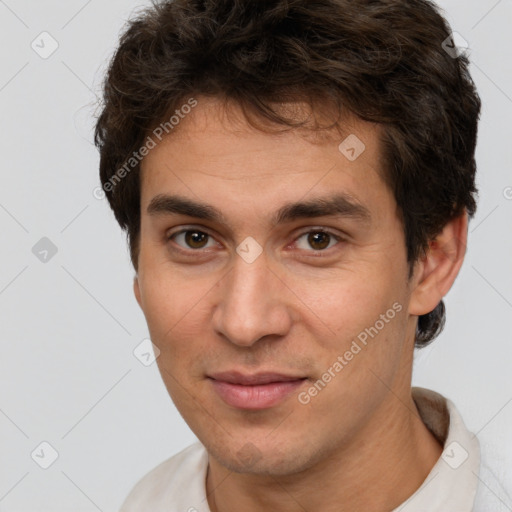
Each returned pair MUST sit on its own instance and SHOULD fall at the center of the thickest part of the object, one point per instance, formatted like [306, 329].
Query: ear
[435, 273]
[136, 290]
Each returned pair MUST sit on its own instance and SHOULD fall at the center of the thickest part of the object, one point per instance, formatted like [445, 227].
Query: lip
[257, 391]
[257, 378]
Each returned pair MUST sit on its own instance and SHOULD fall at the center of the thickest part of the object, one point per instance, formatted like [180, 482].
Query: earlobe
[440, 266]
[136, 290]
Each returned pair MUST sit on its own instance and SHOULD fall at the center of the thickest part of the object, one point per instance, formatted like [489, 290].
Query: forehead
[215, 119]
[214, 153]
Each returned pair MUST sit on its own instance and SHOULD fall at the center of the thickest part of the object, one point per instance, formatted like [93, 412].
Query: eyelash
[316, 253]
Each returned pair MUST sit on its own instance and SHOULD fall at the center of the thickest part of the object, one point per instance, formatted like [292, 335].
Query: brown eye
[318, 240]
[195, 239]
[191, 239]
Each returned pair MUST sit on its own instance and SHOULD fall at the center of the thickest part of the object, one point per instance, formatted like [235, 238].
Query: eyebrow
[337, 205]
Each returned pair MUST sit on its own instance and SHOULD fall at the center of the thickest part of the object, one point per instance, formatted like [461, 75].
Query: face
[281, 327]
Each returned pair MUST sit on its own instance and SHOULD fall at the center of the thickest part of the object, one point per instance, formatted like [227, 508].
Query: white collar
[178, 484]
[453, 481]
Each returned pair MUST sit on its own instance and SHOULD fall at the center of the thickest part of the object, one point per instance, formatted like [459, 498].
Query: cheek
[164, 303]
[359, 364]
[346, 303]
[366, 325]
[176, 311]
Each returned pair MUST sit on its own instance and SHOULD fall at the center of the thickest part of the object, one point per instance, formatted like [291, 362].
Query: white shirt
[458, 482]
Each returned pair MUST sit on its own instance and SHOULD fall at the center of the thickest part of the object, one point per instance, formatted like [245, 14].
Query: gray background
[69, 326]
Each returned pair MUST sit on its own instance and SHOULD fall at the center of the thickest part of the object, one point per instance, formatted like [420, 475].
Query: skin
[289, 311]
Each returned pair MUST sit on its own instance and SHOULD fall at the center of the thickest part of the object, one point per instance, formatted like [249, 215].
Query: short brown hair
[382, 60]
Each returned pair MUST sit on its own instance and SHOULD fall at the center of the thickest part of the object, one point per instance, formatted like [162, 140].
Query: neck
[383, 466]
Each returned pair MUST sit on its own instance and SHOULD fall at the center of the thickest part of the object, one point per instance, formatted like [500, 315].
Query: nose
[252, 304]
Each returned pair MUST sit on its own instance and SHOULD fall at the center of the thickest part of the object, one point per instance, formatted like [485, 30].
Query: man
[296, 179]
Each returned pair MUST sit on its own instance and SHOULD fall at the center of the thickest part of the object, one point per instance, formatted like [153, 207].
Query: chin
[263, 460]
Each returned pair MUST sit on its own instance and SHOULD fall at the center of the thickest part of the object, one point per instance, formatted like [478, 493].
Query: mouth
[257, 391]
